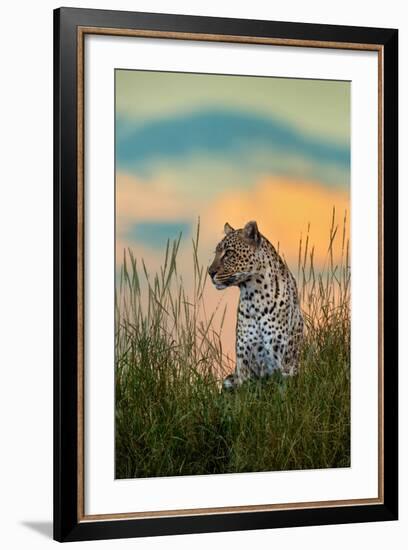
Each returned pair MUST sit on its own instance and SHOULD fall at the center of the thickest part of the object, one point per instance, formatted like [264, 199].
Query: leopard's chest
[259, 310]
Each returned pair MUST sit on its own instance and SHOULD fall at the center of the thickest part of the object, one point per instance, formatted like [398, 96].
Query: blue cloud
[220, 133]
[155, 234]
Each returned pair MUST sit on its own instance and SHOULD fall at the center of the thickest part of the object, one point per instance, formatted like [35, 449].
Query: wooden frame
[70, 28]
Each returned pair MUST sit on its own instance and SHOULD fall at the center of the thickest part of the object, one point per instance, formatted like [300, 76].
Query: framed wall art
[225, 274]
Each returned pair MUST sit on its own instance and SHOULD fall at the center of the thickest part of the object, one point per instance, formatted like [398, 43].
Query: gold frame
[82, 31]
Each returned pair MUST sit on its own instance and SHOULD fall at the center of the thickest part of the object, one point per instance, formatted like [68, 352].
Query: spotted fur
[269, 320]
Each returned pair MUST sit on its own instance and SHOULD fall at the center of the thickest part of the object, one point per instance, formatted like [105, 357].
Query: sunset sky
[228, 148]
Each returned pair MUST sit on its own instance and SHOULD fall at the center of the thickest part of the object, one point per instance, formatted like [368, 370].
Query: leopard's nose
[212, 272]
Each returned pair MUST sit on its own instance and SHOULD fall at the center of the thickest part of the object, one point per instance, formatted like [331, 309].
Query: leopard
[270, 324]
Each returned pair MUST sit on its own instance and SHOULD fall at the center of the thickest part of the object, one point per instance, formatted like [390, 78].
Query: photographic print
[232, 270]
[225, 274]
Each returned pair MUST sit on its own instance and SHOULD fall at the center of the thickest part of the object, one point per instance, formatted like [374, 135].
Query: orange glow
[283, 209]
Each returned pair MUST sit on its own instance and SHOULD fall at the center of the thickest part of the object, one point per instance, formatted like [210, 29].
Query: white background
[26, 274]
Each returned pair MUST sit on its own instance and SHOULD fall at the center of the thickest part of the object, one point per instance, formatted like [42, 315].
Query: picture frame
[71, 27]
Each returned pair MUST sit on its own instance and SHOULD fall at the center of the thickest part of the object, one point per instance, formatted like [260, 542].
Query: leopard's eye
[228, 253]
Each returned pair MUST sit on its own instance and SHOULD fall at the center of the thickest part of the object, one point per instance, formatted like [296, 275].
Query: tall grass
[171, 417]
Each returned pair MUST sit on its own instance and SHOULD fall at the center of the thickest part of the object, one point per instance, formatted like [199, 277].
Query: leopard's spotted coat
[269, 320]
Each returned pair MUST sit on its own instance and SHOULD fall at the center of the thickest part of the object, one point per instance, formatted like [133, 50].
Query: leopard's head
[236, 256]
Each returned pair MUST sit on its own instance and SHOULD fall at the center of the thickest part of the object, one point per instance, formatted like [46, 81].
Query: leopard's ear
[251, 232]
[228, 229]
